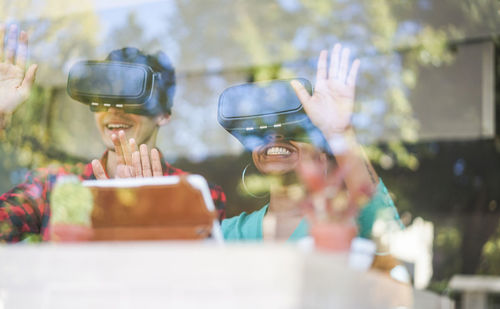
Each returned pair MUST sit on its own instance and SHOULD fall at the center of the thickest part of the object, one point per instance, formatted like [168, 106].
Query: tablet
[156, 208]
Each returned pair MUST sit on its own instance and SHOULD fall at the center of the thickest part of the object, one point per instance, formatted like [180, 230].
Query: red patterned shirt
[25, 209]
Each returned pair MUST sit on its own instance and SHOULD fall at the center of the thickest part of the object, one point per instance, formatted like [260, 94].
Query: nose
[271, 137]
[115, 110]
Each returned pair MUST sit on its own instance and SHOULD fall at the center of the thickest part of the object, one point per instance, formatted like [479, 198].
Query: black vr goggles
[252, 111]
[104, 84]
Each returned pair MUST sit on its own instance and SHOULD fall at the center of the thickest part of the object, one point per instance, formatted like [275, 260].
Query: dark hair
[160, 63]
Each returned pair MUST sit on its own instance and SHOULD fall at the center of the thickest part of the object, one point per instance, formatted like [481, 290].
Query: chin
[275, 169]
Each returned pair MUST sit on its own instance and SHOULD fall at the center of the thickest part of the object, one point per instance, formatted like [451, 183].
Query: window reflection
[425, 108]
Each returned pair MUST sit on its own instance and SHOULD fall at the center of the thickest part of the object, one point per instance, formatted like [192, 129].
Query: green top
[249, 226]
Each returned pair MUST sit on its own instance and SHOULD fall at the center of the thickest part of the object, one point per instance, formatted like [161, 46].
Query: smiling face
[280, 156]
[142, 128]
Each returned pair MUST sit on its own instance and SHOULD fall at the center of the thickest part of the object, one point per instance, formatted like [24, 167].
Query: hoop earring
[245, 185]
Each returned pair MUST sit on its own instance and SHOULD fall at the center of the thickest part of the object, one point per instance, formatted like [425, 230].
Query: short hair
[160, 63]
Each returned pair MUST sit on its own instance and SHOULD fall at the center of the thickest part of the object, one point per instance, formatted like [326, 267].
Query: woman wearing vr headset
[350, 189]
[329, 200]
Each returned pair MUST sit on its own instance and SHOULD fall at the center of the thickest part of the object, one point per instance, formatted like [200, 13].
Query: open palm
[15, 83]
[330, 106]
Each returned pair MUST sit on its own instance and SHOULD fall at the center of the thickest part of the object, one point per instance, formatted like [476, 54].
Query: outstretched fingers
[156, 163]
[99, 172]
[146, 165]
[339, 66]
[118, 149]
[344, 64]
[14, 49]
[136, 164]
[10, 51]
[140, 162]
[22, 50]
[322, 65]
[125, 148]
[301, 92]
[353, 73]
[132, 145]
[334, 61]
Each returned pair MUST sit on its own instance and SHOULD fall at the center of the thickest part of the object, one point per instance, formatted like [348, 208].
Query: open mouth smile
[277, 151]
[117, 126]
[281, 150]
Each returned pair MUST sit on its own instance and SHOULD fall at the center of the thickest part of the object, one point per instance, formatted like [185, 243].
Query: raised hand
[145, 164]
[330, 108]
[15, 81]
[331, 105]
[131, 160]
[123, 148]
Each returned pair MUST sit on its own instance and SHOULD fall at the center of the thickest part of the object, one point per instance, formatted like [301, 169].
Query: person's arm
[24, 210]
[15, 80]
[330, 108]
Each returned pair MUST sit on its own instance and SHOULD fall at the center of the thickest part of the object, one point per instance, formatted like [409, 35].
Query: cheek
[98, 119]
[259, 166]
[145, 127]
[256, 162]
[142, 122]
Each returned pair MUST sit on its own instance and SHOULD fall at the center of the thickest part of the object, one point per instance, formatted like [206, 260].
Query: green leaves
[71, 202]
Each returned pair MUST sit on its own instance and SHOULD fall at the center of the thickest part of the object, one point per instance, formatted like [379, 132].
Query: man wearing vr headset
[131, 95]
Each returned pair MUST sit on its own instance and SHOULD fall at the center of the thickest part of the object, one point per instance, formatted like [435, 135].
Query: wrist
[346, 132]
[342, 142]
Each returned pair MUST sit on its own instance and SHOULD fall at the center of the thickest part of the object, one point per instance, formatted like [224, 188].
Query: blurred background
[426, 110]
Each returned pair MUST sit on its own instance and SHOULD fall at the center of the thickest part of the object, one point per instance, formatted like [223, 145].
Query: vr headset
[252, 111]
[104, 84]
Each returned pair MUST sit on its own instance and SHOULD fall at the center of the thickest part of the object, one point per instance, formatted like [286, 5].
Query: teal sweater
[249, 226]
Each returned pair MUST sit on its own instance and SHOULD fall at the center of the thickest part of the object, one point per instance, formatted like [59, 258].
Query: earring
[245, 185]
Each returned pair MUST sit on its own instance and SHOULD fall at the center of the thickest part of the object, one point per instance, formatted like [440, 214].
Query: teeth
[277, 151]
[114, 126]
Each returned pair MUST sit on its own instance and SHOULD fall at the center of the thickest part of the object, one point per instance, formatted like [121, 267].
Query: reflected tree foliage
[54, 38]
